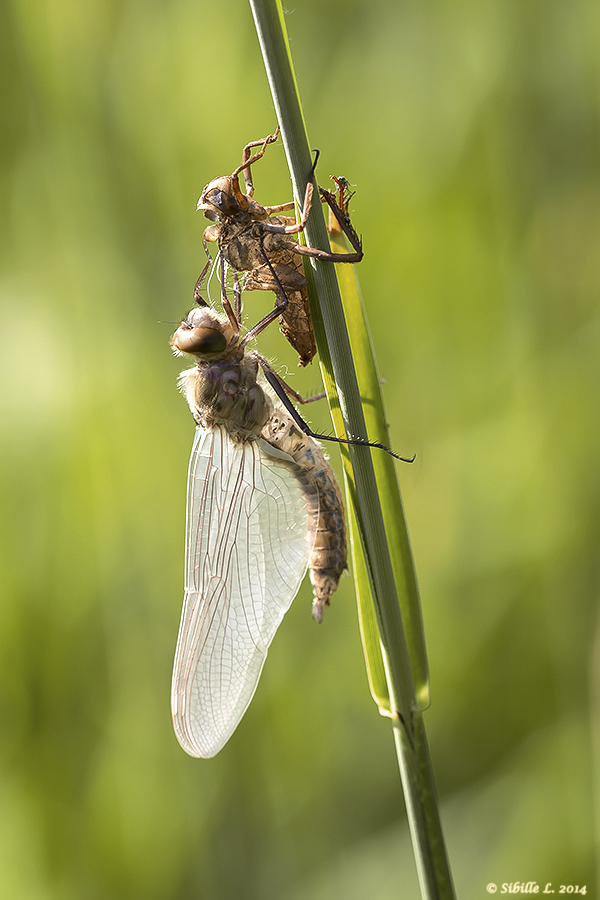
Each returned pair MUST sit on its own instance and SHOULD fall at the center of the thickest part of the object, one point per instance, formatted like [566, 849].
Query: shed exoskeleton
[256, 240]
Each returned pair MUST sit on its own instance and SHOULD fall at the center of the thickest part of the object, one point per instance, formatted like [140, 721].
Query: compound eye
[200, 340]
[226, 202]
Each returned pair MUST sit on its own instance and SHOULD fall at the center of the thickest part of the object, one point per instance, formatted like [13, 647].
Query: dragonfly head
[204, 333]
[222, 199]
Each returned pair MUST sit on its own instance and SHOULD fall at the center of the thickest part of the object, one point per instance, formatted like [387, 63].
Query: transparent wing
[247, 550]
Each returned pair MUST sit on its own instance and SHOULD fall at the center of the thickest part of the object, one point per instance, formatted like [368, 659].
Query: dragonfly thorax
[223, 393]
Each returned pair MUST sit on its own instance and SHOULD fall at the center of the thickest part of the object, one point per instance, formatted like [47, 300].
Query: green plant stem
[336, 360]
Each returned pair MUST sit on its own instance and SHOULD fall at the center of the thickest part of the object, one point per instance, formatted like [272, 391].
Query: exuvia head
[222, 198]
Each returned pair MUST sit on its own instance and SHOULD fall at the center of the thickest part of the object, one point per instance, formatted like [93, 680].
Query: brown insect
[255, 240]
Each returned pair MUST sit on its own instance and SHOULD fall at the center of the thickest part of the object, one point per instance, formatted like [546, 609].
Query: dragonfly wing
[247, 551]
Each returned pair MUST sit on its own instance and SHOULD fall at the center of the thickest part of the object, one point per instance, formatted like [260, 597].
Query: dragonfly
[263, 505]
[255, 240]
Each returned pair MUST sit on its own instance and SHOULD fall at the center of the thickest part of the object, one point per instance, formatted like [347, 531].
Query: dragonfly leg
[340, 211]
[279, 308]
[299, 226]
[248, 160]
[343, 219]
[275, 383]
[282, 207]
[289, 390]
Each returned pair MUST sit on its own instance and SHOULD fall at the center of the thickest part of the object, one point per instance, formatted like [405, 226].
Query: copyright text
[532, 887]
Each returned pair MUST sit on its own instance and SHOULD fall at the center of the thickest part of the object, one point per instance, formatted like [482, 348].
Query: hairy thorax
[227, 393]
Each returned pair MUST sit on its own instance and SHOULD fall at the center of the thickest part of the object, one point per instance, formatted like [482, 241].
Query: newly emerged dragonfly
[263, 506]
[254, 240]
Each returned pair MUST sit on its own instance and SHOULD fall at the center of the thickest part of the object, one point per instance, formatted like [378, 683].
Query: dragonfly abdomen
[324, 506]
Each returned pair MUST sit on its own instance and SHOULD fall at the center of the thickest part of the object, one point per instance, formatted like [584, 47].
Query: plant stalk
[337, 364]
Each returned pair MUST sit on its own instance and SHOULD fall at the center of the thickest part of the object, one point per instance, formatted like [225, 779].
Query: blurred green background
[470, 131]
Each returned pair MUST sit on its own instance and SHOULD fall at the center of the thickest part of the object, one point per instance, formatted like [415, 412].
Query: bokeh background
[470, 131]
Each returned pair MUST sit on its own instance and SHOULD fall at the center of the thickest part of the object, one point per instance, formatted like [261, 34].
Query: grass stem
[342, 387]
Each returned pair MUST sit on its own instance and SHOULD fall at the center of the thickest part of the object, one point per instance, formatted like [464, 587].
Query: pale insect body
[263, 505]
